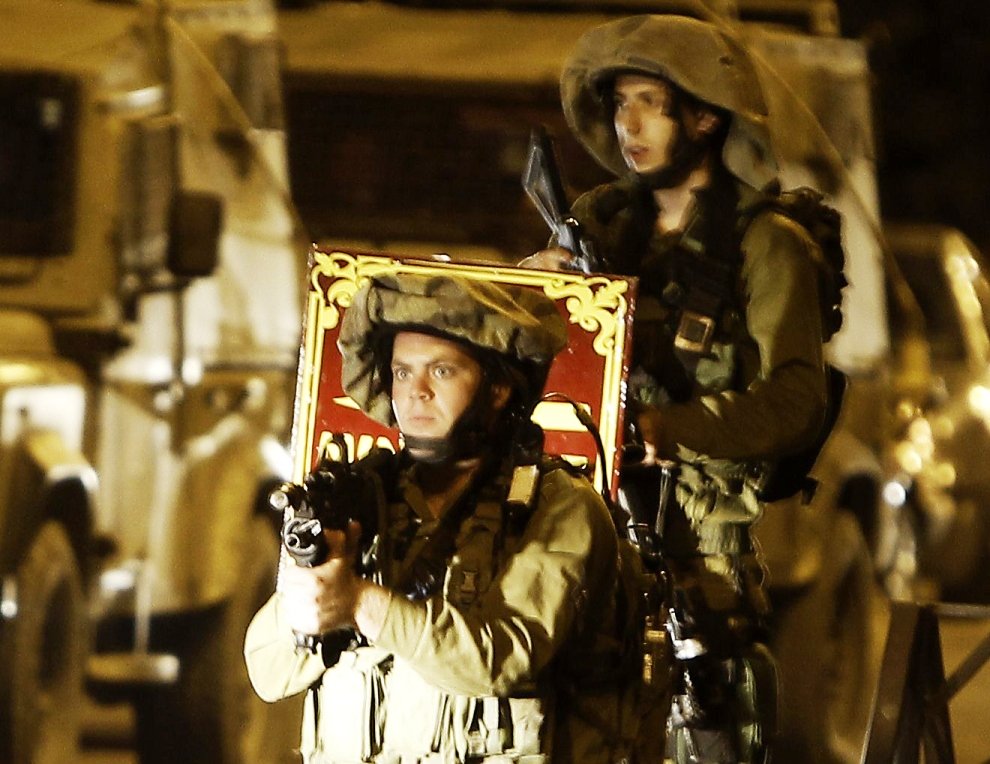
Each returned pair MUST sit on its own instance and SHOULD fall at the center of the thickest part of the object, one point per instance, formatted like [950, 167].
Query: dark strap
[424, 575]
[706, 263]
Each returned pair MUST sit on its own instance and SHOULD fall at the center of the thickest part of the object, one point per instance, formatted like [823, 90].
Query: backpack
[789, 475]
[807, 208]
[637, 660]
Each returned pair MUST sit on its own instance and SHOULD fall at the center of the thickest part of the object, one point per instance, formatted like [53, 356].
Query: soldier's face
[433, 383]
[646, 131]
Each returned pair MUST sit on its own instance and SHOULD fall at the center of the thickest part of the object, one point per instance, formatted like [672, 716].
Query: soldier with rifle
[464, 611]
[729, 375]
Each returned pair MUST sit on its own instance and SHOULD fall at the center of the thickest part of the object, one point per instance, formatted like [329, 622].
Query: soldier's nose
[420, 389]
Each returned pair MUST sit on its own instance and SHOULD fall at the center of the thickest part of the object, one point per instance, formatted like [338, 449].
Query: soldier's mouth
[635, 154]
[422, 421]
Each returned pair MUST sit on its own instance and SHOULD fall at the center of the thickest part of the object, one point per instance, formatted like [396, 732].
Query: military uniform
[768, 337]
[727, 345]
[515, 657]
[758, 393]
[506, 662]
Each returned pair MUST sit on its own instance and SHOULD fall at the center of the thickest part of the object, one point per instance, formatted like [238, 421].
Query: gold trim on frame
[595, 303]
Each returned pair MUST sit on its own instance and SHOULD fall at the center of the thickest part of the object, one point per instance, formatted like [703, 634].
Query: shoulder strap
[489, 490]
[524, 489]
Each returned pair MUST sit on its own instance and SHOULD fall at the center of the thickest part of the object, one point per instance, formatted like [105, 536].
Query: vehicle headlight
[894, 493]
[979, 401]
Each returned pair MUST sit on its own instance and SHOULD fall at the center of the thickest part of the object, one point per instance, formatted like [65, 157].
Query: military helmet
[702, 59]
[521, 325]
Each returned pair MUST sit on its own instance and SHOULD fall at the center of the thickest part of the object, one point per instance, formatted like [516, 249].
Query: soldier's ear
[500, 396]
[708, 121]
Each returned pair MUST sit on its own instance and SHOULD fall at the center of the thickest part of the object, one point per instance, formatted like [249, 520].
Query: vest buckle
[695, 332]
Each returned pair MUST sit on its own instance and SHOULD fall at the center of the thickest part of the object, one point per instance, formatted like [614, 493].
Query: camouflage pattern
[757, 395]
[514, 321]
[514, 662]
[703, 59]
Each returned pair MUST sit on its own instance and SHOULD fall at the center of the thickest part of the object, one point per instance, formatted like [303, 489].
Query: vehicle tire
[828, 642]
[42, 654]
[212, 715]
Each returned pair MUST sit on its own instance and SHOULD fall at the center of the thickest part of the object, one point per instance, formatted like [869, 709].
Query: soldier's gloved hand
[320, 599]
[549, 259]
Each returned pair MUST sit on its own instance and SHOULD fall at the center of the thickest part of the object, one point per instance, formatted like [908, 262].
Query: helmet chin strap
[428, 450]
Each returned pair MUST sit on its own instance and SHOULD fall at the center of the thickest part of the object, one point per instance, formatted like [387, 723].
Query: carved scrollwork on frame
[336, 277]
[592, 372]
[593, 303]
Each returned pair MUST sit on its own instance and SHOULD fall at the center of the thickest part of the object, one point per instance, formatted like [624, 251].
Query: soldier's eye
[443, 372]
[657, 99]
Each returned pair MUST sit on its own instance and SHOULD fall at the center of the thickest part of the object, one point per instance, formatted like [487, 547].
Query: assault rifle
[333, 495]
[543, 184]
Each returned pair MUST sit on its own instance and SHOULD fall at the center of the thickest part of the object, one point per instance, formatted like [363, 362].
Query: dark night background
[932, 67]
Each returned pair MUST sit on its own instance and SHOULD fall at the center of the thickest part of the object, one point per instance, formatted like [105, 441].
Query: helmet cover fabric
[703, 59]
[521, 324]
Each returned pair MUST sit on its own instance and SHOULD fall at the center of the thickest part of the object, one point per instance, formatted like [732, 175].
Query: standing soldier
[728, 362]
[487, 632]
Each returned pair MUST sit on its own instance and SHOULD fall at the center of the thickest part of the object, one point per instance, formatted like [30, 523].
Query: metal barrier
[911, 707]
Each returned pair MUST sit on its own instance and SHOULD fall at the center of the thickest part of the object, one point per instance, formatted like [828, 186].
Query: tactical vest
[373, 707]
[690, 331]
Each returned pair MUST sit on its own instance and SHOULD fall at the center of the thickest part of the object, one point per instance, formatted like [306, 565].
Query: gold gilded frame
[600, 306]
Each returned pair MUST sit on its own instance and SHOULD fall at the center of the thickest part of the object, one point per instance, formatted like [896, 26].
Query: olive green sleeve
[504, 640]
[275, 668]
[783, 406]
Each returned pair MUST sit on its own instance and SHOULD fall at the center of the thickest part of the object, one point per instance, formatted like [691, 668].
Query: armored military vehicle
[149, 307]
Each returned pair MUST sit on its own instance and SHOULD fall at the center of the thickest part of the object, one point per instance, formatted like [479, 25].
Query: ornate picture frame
[592, 371]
